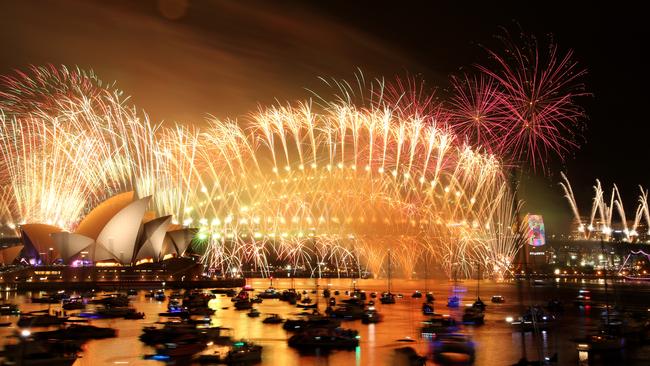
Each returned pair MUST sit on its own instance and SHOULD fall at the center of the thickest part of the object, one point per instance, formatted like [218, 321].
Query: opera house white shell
[113, 231]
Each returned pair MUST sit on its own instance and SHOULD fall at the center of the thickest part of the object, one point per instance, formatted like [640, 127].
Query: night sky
[182, 60]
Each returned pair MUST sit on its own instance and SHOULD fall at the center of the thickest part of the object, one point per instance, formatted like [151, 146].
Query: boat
[159, 295]
[388, 297]
[132, 292]
[473, 315]
[242, 353]
[29, 352]
[253, 313]
[479, 304]
[243, 305]
[44, 320]
[241, 296]
[457, 349]
[371, 315]
[430, 298]
[5, 324]
[601, 342]
[76, 332]
[9, 309]
[407, 356]
[324, 338]
[453, 301]
[438, 324]
[270, 292]
[497, 299]
[112, 313]
[273, 319]
[310, 306]
[583, 298]
[114, 300]
[181, 347]
[417, 295]
[427, 309]
[73, 303]
[224, 291]
[310, 321]
[348, 311]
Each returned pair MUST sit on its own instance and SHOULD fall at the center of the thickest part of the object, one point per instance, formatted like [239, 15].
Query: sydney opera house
[119, 240]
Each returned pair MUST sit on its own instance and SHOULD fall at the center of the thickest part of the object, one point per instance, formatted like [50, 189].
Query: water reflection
[496, 343]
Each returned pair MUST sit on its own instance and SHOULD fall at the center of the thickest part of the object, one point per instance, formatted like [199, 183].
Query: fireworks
[304, 186]
[600, 222]
[537, 90]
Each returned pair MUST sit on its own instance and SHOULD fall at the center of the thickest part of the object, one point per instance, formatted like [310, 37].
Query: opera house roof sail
[114, 231]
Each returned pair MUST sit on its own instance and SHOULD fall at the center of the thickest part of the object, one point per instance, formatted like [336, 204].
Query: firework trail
[539, 88]
[601, 219]
[294, 184]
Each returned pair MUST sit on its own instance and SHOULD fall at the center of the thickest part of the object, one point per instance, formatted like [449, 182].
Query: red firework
[43, 88]
[410, 97]
[539, 89]
[477, 112]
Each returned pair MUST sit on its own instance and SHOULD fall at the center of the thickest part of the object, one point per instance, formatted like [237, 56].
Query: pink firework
[539, 90]
[410, 97]
[43, 88]
[477, 112]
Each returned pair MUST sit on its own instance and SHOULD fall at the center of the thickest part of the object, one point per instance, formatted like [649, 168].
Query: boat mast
[389, 272]
[478, 279]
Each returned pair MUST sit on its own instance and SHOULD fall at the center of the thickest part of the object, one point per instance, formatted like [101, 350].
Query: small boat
[453, 301]
[417, 295]
[44, 320]
[9, 309]
[5, 324]
[76, 332]
[269, 293]
[305, 300]
[438, 324]
[243, 305]
[273, 319]
[132, 292]
[243, 353]
[224, 291]
[583, 298]
[159, 295]
[473, 315]
[324, 338]
[310, 306]
[498, 299]
[479, 304]
[427, 309]
[134, 316]
[387, 298]
[73, 303]
[407, 356]
[371, 315]
[253, 313]
[601, 342]
[430, 298]
[456, 349]
[38, 353]
[240, 353]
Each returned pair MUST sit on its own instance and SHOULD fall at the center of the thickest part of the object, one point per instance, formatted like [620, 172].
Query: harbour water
[496, 343]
